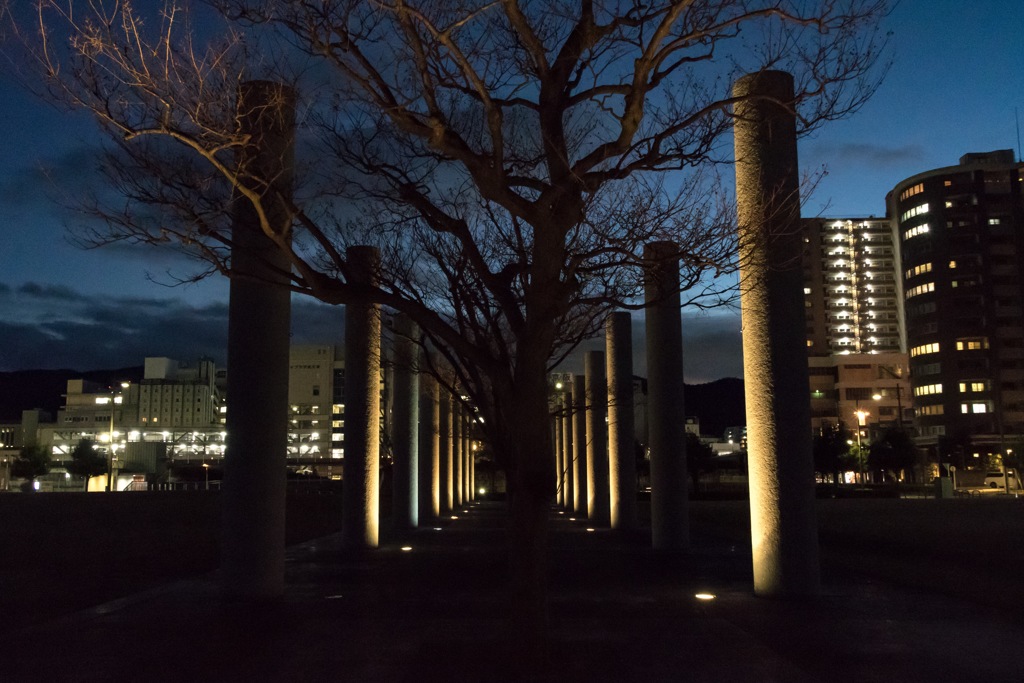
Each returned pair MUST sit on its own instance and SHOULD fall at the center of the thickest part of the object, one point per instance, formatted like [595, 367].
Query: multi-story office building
[854, 323]
[179, 394]
[94, 412]
[962, 263]
[861, 390]
[177, 410]
[316, 385]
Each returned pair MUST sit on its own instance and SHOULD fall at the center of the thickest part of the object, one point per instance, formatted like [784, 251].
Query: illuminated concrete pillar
[470, 457]
[429, 449]
[782, 517]
[556, 441]
[457, 459]
[666, 431]
[567, 450]
[621, 456]
[259, 314]
[596, 393]
[467, 458]
[360, 526]
[472, 460]
[447, 466]
[579, 444]
[404, 422]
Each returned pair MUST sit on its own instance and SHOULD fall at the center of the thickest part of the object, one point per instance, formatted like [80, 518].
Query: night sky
[957, 78]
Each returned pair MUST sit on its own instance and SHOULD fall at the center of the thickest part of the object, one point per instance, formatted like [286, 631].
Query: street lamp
[861, 414]
[112, 457]
[899, 392]
[7, 471]
[206, 470]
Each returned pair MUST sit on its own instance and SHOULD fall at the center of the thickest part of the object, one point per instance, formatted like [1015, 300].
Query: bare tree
[509, 158]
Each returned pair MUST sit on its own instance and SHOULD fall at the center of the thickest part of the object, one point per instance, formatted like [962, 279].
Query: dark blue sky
[958, 76]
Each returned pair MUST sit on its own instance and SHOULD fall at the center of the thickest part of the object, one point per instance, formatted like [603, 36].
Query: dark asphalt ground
[619, 612]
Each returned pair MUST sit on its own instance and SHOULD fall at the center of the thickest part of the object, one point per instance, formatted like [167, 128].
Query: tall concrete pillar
[259, 314]
[567, 450]
[556, 441]
[429, 449]
[361, 486]
[447, 472]
[596, 393]
[405, 420]
[472, 458]
[666, 431]
[579, 444]
[457, 459]
[782, 518]
[467, 451]
[621, 456]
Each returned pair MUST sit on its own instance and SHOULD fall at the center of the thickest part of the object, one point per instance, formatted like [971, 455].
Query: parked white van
[995, 480]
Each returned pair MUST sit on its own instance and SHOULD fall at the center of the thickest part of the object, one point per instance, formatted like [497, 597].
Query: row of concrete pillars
[777, 395]
[446, 471]
[433, 464]
[594, 418]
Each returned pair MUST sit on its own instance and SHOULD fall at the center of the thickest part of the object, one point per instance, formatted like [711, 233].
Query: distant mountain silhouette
[44, 389]
[717, 405]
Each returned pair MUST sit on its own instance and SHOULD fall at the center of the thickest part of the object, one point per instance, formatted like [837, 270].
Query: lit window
[920, 289]
[916, 211]
[911, 191]
[972, 344]
[924, 348]
[918, 270]
[928, 390]
[915, 231]
[993, 221]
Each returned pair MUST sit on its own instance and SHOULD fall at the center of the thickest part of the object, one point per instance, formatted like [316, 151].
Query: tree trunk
[531, 492]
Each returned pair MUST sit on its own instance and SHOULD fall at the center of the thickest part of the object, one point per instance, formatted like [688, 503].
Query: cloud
[317, 323]
[57, 292]
[60, 181]
[865, 154]
[56, 326]
[712, 347]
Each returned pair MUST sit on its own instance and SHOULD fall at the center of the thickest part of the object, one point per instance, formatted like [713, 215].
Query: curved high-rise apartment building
[961, 239]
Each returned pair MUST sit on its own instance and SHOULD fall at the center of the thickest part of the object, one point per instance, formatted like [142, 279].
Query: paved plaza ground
[915, 590]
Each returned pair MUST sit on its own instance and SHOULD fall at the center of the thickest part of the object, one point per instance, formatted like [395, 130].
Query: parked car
[995, 480]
